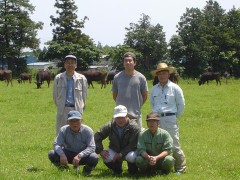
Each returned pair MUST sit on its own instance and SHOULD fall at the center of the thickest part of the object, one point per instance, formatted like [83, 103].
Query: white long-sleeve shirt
[167, 99]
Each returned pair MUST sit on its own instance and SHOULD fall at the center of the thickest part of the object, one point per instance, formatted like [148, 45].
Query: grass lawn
[209, 131]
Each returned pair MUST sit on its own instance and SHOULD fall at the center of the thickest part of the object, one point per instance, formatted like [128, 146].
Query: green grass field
[209, 131]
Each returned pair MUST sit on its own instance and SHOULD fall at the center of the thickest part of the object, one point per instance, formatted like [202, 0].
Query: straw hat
[162, 67]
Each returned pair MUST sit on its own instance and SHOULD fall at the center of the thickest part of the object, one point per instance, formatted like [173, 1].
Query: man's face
[121, 121]
[163, 76]
[129, 63]
[70, 65]
[75, 124]
[153, 125]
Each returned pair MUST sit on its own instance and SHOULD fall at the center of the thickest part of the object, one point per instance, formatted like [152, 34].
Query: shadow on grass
[34, 169]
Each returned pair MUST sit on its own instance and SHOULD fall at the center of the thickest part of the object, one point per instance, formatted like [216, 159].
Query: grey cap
[72, 115]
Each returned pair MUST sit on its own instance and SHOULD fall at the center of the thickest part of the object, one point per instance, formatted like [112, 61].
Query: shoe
[87, 170]
[179, 172]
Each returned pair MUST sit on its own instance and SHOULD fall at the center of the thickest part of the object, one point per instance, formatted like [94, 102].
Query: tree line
[208, 37]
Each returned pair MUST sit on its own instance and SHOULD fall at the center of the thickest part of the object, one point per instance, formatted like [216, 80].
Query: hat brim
[120, 115]
[74, 118]
[170, 69]
[156, 119]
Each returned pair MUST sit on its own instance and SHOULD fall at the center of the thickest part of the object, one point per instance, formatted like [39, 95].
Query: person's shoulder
[59, 75]
[78, 75]
[133, 124]
[121, 73]
[86, 127]
[163, 131]
[64, 128]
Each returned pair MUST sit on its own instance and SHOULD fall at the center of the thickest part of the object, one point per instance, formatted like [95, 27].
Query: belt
[69, 105]
[167, 114]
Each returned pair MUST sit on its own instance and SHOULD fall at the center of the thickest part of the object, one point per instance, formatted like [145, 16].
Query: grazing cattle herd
[104, 77]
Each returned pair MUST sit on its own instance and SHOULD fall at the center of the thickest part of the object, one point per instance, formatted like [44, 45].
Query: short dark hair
[129, 54]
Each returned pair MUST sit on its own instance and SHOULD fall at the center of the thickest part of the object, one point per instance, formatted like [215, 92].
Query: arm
[85, 89]
[55, 91]
[90, 143]
[58, 144]
[144, 96]
[114, 96]
[132, 140]
[180, 101]
[100, 135]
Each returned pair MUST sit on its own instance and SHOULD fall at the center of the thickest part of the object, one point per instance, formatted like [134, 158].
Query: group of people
[156, 148]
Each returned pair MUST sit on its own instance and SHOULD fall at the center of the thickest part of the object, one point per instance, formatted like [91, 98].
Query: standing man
[154, 148]
[122, 135]
[130, 88]
[168, 101]
[69, 91]
[75, 145]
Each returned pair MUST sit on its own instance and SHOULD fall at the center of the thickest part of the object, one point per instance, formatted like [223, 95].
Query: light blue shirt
[167, 99]
[81, 142]
[70, 93]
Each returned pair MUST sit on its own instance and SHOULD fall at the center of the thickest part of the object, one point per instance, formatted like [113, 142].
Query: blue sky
[108, 18]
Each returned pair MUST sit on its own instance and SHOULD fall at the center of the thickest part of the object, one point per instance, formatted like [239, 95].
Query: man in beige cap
[168, 101]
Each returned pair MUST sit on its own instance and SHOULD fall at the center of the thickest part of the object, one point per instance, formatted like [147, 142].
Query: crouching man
[75, 145]
[123, 134]
[154, 148]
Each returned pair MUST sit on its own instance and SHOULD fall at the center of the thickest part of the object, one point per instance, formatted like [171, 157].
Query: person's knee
[141, 162]
[131, 157]
[51, 155]
[93, 159]
[168, 163]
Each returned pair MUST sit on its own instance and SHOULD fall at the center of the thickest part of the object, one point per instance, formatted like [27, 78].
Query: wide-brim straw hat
[162, 67]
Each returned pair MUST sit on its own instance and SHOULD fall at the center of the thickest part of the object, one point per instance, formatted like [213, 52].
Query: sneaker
[179, 172]
[87, 170]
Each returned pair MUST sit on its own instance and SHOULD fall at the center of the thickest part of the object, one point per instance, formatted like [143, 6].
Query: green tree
[232, 55]
[116, 56]
[147, 39]
[17, 30]
[68, 37]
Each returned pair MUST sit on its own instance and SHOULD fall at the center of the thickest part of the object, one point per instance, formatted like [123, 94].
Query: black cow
[110, 76]
[41, 77]
[208, 76]
[6, 75]
[24, 77]
[174, 77]
[95, 75]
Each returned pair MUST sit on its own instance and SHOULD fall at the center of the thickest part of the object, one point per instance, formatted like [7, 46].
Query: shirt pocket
[170, 98]
[78, 85]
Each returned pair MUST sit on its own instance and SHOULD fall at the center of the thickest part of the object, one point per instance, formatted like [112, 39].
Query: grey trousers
[169, 123]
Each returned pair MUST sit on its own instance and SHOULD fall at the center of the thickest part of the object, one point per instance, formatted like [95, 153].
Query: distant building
[42, 65]
[30, 59]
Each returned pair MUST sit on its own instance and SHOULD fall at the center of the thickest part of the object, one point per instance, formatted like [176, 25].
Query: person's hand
[104, 154]
[63, 160]
[152, 160]
[117, 156]
[76, 161]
